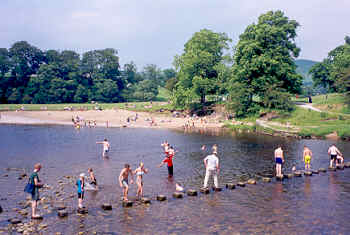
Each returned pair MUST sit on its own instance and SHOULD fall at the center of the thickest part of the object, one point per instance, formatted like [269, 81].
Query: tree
[197, 66]
[264, 58]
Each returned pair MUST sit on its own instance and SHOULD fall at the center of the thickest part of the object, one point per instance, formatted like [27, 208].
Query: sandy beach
[112, 118]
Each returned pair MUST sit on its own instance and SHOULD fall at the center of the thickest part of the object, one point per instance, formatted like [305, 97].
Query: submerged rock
[192, 192]
[178, 195]
[161, 197]
[106, 206]
[205, 190]
[230, 186]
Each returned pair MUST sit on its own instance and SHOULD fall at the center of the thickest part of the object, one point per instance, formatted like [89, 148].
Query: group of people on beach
[336, 158]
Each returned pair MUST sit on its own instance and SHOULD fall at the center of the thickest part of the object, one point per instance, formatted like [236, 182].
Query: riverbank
[108, 118]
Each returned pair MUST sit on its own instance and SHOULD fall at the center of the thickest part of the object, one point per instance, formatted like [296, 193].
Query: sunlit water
[316, 204]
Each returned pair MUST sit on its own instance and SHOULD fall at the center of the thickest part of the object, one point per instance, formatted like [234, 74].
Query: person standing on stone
[333, 152]
[139, 172]
[81, 185]
[211, 163]
[307, 155]
[279, 159]
[106, 147]
[34, 179]
[124, 180]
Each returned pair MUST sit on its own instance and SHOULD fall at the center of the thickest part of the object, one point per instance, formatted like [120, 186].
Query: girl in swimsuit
[139, 172]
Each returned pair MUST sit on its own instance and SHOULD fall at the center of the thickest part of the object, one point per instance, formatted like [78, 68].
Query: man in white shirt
[211, 163]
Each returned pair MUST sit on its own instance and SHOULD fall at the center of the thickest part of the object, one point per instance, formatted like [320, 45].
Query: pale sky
[154, 31]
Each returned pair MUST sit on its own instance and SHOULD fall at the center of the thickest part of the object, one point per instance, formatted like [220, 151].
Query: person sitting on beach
[211, 163]
[279, 159]
[92, 177]
[34, 179]
[333, 152]
[139, 172]
[106, 147]
[80, 185]
[307, 155]
[169, 160]
[123, 180]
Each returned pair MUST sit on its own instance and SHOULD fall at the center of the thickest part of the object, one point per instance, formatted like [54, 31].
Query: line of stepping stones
[62, 212]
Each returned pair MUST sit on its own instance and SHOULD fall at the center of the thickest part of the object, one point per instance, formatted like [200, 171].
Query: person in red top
[169, 160]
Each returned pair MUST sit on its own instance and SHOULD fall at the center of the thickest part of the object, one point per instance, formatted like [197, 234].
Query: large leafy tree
[197, 67]
[264, 63]
[329, 73]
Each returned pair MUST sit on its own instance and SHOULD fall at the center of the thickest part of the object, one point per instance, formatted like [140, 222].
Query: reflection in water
[294, 206]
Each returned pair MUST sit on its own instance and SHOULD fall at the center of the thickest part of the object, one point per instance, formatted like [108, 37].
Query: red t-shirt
[168, 160]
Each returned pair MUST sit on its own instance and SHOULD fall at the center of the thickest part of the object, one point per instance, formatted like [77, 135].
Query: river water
[308, 205]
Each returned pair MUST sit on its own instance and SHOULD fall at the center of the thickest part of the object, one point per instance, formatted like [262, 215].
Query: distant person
[139, 172]
[307, 155]
[106, 147]
[80, 185]
[310, 99]
[92, 177]
[169, 160]
[333, 152]
[124, 180]
[279, 159]
[211, 163]
[34, 179]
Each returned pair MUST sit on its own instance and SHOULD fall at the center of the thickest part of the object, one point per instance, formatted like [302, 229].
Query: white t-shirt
[212, 161]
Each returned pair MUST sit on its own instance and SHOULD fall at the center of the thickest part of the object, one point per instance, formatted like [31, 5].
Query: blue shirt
[80, 186]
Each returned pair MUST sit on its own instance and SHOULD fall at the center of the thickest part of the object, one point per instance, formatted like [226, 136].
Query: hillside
[303, 67]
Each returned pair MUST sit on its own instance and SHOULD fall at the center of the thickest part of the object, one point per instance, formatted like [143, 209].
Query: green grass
[332, 98]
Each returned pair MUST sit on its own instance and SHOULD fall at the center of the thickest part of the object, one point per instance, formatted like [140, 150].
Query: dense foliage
[330, 72]
[29, 75]
[199, 67]
[264, 65]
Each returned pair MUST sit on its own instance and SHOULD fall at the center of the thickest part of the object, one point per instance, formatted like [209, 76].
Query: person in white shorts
[211, 163]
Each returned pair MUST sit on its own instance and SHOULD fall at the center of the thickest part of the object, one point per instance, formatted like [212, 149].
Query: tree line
[30, 75]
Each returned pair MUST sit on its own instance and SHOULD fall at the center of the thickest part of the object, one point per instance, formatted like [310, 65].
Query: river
[308, 205]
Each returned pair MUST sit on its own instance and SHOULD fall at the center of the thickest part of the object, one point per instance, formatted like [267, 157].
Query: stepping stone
[340, 167]
[288, 176]
[178, 195]
[266, 179]
[251, 181]
[308, 173]
[315, 172]
[332, 169]
[241, 184]
[82, 210]
[106, 206]
[205, 190]
[297, 173]
[127, 203]
[347, 164]
[230, 186]
[322, 170]
[62, 213]
[14, 221]
[217, 189]
[161, 197]
[146, 200]
[279, 178]
[192, 192]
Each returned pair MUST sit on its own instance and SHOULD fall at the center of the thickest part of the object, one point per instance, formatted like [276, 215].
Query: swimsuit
[334, 157]
[278, 160]
[307, 159]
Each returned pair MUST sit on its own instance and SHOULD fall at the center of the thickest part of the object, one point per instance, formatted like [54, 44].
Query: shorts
[307, 159]
[35, 195]
[170, 170]
[334, 157]
[81, 195]
[106, 150]
[278, 160]
[125, 183]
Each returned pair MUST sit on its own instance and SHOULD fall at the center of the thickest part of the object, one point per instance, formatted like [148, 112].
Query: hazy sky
[152, 32]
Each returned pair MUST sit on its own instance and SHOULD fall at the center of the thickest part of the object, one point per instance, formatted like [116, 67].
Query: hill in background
[303, 68]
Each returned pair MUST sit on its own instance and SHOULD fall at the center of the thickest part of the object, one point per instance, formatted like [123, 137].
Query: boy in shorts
[123, 180]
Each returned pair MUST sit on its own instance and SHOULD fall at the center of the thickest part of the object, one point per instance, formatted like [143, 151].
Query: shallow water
[314, 204]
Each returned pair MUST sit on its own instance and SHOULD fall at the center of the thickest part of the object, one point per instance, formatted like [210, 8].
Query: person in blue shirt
[80, 185]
